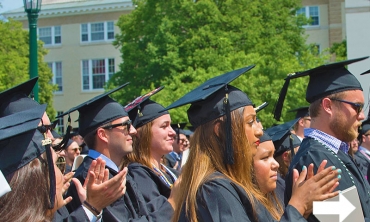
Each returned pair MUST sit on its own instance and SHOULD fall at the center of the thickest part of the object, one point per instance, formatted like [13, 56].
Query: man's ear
[327, 105]
[286, 157]
[102, 135]
[301, 121]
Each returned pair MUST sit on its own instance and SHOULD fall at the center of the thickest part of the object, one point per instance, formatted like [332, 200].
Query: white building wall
[358, 41]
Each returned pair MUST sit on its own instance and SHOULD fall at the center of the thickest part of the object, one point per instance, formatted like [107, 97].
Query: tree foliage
[14, 60]
[181, 43]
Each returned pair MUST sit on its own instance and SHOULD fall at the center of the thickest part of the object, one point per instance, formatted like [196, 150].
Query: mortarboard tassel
[47, 143]
[280, 102]
[62, 145]
[229, 157]
[292, 153]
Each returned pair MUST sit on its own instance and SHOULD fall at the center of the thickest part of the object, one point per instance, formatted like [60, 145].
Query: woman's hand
[313, 188]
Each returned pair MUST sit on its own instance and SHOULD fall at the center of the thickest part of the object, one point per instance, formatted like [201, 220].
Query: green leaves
[181, 43]
[14, 60]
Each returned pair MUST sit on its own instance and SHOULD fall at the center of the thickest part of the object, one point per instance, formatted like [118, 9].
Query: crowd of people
[137, 165]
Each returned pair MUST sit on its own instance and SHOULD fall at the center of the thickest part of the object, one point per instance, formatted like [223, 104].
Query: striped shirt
[329, 141]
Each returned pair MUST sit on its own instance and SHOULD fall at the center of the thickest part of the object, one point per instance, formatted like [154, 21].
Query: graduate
[304, 121]
[336, 102]
[107, 130]
[153, 140]
[286, 144]
[217, 181]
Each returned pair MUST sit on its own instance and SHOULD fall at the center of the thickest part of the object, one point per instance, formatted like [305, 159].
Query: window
[50, 35]
[60, 125]
[96, 72]
[92, 32]
[56, 68]
[312, 13]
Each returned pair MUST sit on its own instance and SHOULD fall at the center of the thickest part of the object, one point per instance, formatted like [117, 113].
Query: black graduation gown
[220, 200]
[362, 162]
[170, 161]
[280, 189]
[130, 207]
[148, 182]
[311, 151]
[78, 215]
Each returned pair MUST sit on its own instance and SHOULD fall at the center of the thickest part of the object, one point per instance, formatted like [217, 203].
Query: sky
[8, 5]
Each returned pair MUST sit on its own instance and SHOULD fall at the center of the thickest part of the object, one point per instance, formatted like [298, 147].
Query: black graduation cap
[179, 129]
[21, 142]
[301, 111]
[17, 98]
[261, 107]
[366, 72]
[282, 137]
[74, 132]
[324, 80]
[365, 126]
[142, 110]
[265, 137]
[96, 112]
[213, 99]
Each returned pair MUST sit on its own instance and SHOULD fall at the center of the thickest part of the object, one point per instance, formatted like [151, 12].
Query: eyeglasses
[75, 149]
[61, 164]
[127, 123]
[356, 106]
[183, 141]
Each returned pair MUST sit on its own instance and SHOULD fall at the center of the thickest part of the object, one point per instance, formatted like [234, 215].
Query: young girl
[153, 140]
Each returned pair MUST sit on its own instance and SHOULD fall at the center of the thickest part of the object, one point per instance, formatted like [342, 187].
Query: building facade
[78, 35]
[358, 41]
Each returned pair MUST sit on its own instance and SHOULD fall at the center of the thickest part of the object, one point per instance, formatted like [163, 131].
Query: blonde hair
[206, 157]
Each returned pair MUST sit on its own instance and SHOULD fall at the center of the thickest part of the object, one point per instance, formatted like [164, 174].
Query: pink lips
[257, 142]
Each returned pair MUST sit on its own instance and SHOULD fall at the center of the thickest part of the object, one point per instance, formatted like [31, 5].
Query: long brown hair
[29, 198]
[206, 157]
[141, 147]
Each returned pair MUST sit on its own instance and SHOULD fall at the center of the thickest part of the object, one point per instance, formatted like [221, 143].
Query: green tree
[339, 50]
[14, 60]
[182, 43]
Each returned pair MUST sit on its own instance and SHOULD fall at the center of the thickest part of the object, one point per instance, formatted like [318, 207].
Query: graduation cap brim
[300, 111]
[20, 141]
[208, 88]
[325, 66]
[179, 128]
[365, 126]
[25, 88]
[366, 72]
[93, 100]
[261, 107]
[139, 100]
[21, 122]
[324, 80]
[278, 132]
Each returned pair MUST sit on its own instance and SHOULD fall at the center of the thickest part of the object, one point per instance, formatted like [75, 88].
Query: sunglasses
[44, 128]
[127, 124]
[356, 106]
